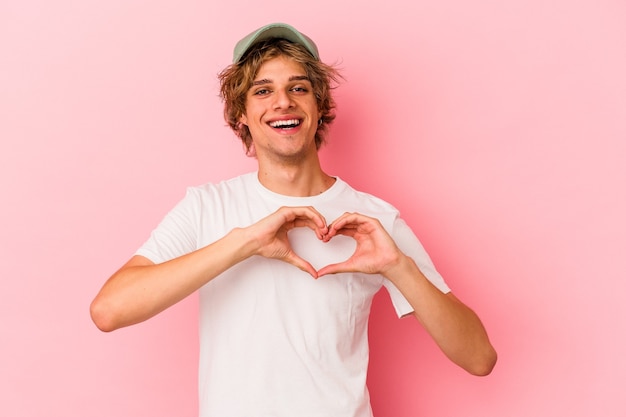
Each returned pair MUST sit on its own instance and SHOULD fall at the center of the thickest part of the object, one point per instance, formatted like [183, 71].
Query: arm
[142, 289]
[456, 329]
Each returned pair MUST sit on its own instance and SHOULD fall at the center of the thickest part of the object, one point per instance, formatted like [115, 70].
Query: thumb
[334, 269]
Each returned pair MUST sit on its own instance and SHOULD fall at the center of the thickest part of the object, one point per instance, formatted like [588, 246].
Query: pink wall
[498, 129]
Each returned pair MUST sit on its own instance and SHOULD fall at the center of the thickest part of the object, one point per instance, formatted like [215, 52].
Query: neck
[301, 180]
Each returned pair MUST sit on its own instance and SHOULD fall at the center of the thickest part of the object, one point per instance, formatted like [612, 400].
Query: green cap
[274, 30]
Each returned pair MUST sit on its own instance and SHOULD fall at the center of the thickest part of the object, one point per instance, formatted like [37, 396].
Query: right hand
[270, 234]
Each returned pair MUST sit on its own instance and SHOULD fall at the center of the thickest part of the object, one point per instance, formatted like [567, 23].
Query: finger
[350, 220]
[346, 231]
[303, 265]
[347, 224]
[305, 217]
[320, 232]
[304, 212]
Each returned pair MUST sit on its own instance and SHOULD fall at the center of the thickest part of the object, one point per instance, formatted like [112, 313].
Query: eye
[300, 89]
[261, 92]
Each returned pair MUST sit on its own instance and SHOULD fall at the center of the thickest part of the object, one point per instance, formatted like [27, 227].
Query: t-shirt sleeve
[411, 246]
[176, 234]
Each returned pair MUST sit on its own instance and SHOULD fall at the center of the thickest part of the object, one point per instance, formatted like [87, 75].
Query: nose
[282, 100]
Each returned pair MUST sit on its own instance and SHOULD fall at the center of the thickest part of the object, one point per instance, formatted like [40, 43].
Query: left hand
[456, 329]
[375, 253]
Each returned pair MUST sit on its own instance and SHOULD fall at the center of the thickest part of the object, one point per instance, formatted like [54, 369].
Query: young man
[286, 259]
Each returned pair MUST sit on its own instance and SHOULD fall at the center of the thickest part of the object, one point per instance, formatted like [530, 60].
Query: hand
[375, 253]
[270, 234]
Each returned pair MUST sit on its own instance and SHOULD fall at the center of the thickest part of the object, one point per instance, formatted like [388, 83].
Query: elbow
[102, 315]
[483, 365]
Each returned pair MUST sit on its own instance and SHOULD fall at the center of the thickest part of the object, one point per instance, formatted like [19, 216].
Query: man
[286, 259]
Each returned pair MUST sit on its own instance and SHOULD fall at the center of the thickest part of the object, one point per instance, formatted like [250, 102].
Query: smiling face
[281, 112]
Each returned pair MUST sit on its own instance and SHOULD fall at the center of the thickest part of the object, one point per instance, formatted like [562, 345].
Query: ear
[243, 119]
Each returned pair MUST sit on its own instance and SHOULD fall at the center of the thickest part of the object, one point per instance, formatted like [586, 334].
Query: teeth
[282, 123]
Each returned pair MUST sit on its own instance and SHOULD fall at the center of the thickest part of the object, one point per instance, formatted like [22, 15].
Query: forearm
[456, 329]
[141, 289]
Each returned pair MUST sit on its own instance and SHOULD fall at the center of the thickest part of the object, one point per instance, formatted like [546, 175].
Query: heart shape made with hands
[320, 254]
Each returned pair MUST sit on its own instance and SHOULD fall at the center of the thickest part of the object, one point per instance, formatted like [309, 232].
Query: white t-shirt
[273, 340]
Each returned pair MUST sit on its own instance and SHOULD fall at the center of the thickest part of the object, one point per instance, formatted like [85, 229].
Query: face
[281, 112]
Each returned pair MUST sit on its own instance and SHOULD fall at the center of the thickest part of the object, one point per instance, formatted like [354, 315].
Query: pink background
[497, 128]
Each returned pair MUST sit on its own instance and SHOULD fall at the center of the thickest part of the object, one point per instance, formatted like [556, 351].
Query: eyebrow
[292, 78]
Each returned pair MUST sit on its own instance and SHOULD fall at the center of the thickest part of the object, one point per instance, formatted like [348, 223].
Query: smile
[285, 124]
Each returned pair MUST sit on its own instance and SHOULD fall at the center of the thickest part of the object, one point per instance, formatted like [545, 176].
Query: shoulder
[212, 198]
[366, 201]
[233, 186]
[352, 200]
